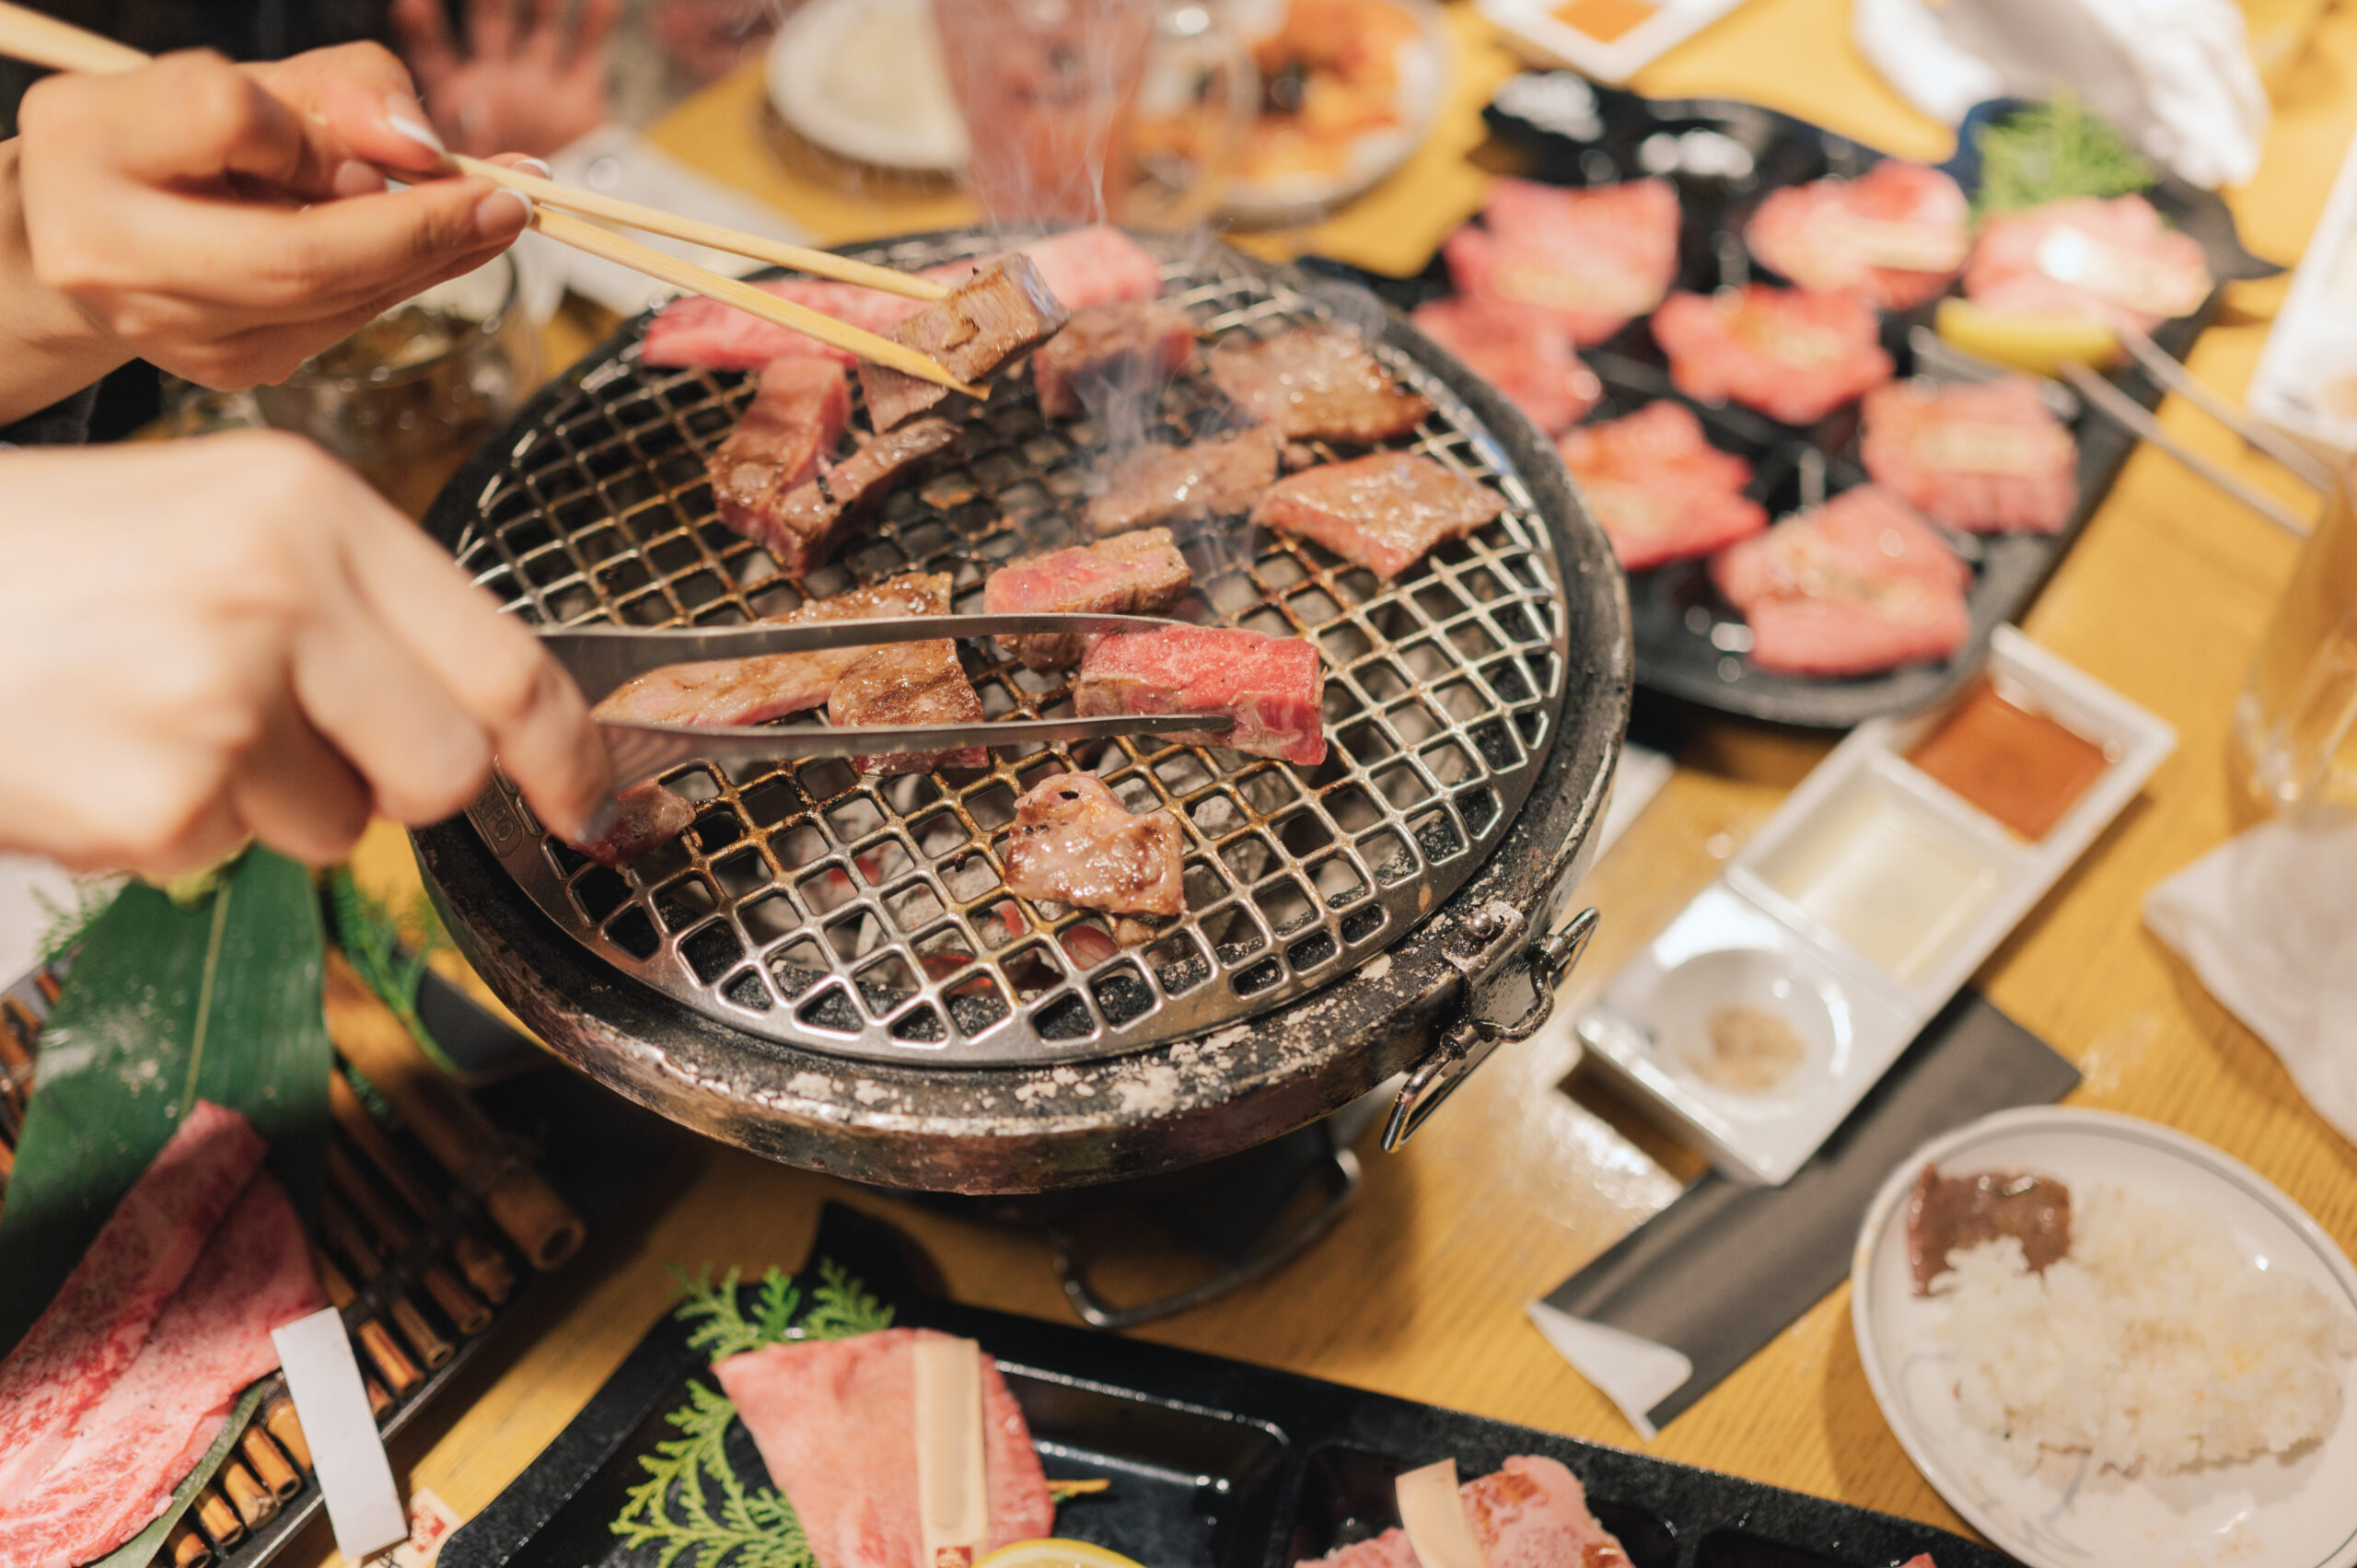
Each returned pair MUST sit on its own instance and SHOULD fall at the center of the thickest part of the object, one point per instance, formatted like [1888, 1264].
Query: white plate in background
[824, 78]
[1530, 25]
[2299, 1512]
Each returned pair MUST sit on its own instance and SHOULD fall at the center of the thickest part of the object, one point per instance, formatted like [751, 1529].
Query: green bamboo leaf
[141, 1549]
[165, 1005]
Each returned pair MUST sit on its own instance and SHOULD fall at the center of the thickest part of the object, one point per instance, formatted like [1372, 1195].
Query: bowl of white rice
[2175, 1389]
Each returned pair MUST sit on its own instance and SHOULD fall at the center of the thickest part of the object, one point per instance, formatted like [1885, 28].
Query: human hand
[232, 637]
[537, 89]
[225, 221]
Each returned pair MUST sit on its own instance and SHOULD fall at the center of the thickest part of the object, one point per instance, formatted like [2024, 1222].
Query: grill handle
[1500, 930]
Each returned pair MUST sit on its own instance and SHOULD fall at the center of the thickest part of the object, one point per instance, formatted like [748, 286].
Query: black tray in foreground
[1725, 157]
[1214, 1464]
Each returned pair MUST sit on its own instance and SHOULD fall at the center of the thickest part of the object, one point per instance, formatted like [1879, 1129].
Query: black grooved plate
[1214, 1464]
[1689, 642]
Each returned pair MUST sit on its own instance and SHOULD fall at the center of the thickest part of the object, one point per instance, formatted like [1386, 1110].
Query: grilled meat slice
[1131, 574]
[808, 524]
[1317, 383]
[1074, 842]
[799, 410]
[1180, 484]
[910, 683]
[1002, 310]
[650, 816]
[1127, 351]
[1274, 687]
[1383, 511]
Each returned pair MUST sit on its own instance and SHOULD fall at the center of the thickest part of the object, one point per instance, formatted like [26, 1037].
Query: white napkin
[2175, 76]
[2269, 921]
[615, 161]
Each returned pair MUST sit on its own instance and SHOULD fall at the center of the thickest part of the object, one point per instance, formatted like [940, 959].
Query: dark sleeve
[61, 424]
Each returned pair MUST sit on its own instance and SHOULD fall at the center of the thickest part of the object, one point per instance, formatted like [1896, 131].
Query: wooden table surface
[1420, 1291]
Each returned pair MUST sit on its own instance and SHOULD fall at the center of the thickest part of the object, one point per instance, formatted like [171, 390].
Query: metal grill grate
[868, 917]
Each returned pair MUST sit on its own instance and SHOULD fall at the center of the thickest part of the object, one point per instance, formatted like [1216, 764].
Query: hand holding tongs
[601, 658]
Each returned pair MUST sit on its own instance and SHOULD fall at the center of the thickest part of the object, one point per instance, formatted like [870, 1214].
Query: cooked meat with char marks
[1002, 310]
[811, 521]
[799, 408]
[769, 686]
[1112, 350]
[910, 683]
[1131, 574]
[1383, 511]
[1074, 842]
[1530, 1513]
[1183, 484]
[648, 817]
[1274, 687]
[1317, 383]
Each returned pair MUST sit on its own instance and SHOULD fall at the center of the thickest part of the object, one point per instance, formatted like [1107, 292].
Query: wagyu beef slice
[835, 1422]
[1002, 310]
[129, 1451]
[1110, 352]
[80, 1346]
[804, 529]
[1529, 1512]
[1155, 483]
[1131, 574]
[1074, 842]
[799, 410]
[1317, 383]
[1384, 512]
[1273, 687]
[910, 683]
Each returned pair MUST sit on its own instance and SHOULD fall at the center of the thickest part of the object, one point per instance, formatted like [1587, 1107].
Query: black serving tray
[1689, 642]
[1214, 1464]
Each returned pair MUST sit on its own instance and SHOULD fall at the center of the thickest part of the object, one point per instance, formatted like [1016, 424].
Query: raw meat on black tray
[1273, 687]
[803, 530]
[1081, 266]
[1183, 485]
[1590, 260]
[835, 1422]
[1383, 511]
[2113, 261]
[1858, 585]
[1530, 1513]
[1074, 842]
[1125, 350]
[1525, 355]
[799, 408]
[1897, 234]
[1001, 312]
[910, 683]
[1985, 457]
[1317, 383]
[1661, 490]
[1131, 574]
[1793, 355]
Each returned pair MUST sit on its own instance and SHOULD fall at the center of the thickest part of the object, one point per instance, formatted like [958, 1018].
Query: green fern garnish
[692, 1503]
[2052, 151]
[372, 936]
[64, 926]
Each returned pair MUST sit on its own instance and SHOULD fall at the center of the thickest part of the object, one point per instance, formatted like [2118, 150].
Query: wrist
[49, 349]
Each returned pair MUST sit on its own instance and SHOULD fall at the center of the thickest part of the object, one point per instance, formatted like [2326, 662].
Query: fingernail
[600, 821]
[496, 214]
[406, 115]
[534, 166]
[352, 178]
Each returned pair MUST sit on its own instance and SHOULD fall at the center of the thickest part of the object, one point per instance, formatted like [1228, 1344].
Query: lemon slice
[2039, 344]
[1055, 1553]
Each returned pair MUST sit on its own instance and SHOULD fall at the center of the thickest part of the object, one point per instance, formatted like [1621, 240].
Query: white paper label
[1433, 1513]
[347, 1454]
[431, 1522]
[953, 1500]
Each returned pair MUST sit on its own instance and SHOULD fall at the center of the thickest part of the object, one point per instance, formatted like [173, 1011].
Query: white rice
[2154, 1346]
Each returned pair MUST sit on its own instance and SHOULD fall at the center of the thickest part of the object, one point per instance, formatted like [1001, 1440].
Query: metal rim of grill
[866, 917]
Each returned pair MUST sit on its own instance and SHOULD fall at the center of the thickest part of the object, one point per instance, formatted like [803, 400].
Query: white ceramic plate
[1426, 68]
[2300, 1512]
[864, 79]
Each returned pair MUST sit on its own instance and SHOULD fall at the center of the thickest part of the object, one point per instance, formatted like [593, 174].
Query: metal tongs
[602, 658]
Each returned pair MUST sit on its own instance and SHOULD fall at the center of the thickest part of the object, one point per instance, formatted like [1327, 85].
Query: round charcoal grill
[829, 969]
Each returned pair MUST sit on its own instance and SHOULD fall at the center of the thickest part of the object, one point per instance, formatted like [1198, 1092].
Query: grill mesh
[866, 917]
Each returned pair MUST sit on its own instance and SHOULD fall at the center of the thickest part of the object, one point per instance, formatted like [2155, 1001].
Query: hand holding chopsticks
[28, 35]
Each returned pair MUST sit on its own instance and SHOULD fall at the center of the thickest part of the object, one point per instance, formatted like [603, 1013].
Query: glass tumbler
[2295, 723]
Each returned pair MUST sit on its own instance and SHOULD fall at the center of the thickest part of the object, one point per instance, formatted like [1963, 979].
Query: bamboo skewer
[269, 1467]
[186, 1548]
[43, 40]
[286, 1429]
[454, 1130]
[256, 1504]
[218, 1521]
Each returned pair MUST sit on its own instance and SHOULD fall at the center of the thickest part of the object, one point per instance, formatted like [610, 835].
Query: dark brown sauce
[2020, 766]
[1945, 1213]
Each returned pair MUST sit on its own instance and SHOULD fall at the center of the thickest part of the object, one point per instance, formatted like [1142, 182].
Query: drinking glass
[1082, 110]
[410, 396]
[2295, 723]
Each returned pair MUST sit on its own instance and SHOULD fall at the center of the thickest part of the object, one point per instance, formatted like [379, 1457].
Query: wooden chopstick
[44, 40]
[598, 240]
[654, 220]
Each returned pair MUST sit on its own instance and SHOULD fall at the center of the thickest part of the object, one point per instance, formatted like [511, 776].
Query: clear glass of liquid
[2295, 723]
